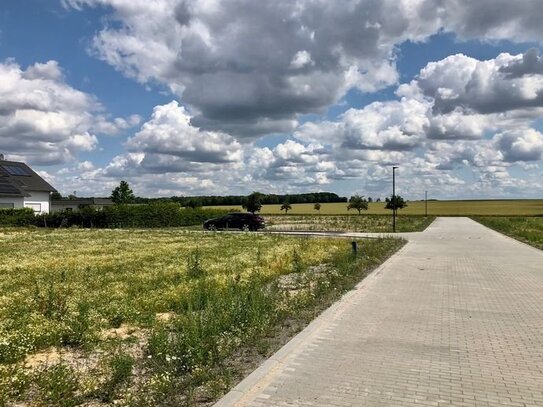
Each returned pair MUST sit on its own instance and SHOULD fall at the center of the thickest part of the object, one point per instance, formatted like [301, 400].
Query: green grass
[521, 207]
[525, 229]
[354, 223]
[156, 317]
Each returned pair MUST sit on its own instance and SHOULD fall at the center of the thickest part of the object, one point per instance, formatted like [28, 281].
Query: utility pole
[394, 199]
[426, 204]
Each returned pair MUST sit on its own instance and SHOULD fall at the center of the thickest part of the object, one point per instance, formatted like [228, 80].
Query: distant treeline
[267, 199]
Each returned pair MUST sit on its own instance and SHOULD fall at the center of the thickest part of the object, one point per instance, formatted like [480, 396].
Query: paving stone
[455, 318]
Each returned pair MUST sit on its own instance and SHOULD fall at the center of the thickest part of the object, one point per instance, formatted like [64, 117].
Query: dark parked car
[237, 220]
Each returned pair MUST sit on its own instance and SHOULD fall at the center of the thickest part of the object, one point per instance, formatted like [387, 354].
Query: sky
[217, 97]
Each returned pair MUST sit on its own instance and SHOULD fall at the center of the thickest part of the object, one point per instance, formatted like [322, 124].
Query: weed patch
[351, 223]
[157, 317]
[526, 229]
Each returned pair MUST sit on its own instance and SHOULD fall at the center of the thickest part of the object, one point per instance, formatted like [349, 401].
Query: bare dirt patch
[47, 357]
[165, 316]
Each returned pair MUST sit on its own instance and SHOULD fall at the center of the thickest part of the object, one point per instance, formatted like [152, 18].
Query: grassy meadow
[524, 207]
[526, 229]
[162, 317]
[333, 223]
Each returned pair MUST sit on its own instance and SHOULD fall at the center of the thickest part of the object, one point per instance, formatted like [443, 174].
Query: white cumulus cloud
[43, 119]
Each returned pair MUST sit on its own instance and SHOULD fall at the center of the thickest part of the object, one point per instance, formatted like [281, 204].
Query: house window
[6, 205]
[36, 207]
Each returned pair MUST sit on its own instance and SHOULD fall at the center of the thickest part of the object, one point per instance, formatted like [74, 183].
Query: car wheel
[245, 227]
[211, 227]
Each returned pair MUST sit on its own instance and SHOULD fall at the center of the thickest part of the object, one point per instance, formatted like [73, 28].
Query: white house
[21, 187]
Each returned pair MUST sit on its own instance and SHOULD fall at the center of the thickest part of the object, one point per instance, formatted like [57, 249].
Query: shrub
[17, 217]
[154, 215]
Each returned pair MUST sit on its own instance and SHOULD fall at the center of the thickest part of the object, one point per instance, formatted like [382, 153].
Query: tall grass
[155, 317]
[525, 229]
[353, 223]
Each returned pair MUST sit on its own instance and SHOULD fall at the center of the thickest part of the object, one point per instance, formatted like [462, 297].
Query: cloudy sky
[189, 97]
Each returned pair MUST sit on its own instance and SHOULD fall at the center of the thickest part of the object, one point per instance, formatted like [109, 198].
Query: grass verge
[526, 229]
[491, 207]
[351, 223]
[157, 317]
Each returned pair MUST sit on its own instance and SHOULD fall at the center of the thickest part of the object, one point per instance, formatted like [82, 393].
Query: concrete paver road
[453, 319]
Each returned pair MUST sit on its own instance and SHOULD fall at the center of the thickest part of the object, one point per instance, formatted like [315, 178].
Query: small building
[78, 203]
[21, 187]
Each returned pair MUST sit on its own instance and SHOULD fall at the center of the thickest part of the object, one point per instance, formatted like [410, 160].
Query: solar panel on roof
[16, 170]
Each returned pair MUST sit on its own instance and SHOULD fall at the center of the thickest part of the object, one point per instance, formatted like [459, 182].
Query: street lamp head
[395, 168]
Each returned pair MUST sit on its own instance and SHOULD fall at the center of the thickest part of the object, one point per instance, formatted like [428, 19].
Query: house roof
[18, 179]
[7, 188]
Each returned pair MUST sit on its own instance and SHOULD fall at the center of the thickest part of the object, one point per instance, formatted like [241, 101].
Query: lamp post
[425, 204]
[394, 198]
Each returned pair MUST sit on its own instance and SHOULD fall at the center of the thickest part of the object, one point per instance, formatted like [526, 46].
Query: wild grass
[353, 223]
[155, 317]
[526, 229]
[497, 207]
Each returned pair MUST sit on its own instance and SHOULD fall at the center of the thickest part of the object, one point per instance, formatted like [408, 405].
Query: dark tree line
[234, 200]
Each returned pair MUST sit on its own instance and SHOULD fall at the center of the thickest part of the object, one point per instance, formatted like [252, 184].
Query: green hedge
[154, 215]
[17, 217]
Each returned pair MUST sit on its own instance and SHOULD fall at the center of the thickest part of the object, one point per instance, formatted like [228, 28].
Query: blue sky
[207, 97]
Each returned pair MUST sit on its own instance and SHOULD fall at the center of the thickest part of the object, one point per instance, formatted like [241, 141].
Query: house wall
[63, 206]
[17, 202]
[39, 198]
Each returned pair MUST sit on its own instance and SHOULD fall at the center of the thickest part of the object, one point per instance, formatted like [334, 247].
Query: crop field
[526, 229]
[157, 317]
[363, 223]
[525, 207]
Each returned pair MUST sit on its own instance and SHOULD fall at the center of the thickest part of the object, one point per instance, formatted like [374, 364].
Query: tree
[122, 194]
[253, 203]
[193, 203]
[397, 202]
[357, 202]
[286, 207]
[317, 207]
[56, 196]
[370, 199]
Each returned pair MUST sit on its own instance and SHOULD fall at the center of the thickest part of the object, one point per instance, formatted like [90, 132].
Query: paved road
[454, 319]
